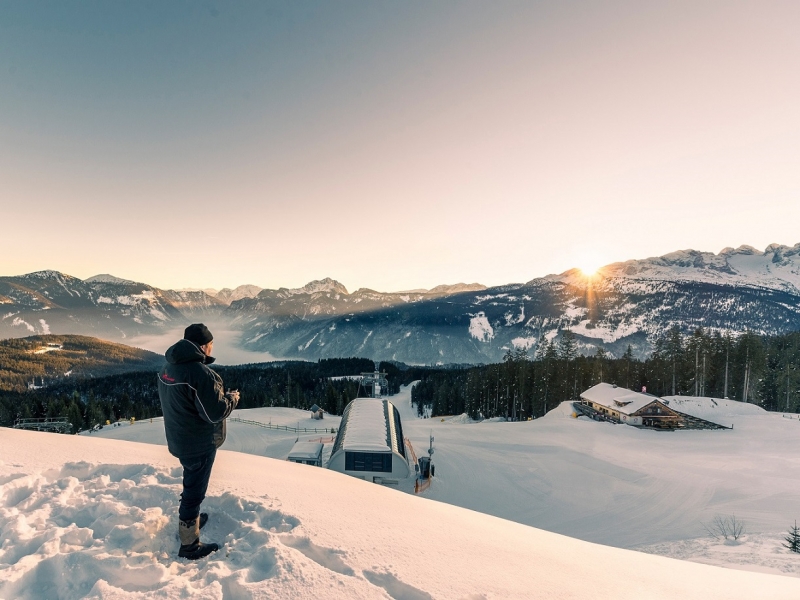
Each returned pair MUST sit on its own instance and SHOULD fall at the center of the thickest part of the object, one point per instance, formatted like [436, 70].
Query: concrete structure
[370, 443]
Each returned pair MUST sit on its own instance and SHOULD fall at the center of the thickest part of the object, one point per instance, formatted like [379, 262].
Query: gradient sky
[391, 145]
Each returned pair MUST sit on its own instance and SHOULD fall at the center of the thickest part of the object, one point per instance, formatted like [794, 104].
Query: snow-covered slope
[102, 306]
[624, 303]
[719, 410]
[96, 518]
[609, 484]
[636, 301]
[777, 267]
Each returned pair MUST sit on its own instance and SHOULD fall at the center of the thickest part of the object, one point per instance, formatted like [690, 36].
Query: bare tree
[726, 527]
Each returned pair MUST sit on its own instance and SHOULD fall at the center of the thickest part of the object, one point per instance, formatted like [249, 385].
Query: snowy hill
[55, 357]
[609, 484]
[87, 517]
[717, 409]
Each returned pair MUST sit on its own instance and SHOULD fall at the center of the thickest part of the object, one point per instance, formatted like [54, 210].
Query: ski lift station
[370, 443]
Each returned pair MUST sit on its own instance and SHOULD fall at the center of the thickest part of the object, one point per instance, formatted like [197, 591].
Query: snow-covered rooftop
[365, 427]
[306, 450]
[620, 399]
[713, 409]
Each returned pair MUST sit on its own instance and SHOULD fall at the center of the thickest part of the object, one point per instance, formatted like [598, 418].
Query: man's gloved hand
[233, 396]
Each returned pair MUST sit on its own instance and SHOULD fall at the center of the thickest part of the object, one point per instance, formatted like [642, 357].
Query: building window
[380, 462]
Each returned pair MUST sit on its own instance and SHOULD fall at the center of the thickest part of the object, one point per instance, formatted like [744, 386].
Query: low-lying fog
[226, 344]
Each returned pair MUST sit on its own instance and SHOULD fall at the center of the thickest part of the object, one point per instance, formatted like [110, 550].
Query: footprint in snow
[326, 557]
[396, 588]
[86, 530]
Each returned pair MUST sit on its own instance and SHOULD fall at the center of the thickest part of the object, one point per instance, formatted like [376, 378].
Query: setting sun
[589, 265]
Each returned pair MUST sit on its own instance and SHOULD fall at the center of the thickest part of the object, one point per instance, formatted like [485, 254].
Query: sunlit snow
[91, 516]
[480, 328]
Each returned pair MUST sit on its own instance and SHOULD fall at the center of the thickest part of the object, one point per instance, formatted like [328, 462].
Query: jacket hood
[186, 352]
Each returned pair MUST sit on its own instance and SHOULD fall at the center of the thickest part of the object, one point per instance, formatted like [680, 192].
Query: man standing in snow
[195, 407]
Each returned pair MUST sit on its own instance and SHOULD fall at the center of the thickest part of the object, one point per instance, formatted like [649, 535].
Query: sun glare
[589, 266]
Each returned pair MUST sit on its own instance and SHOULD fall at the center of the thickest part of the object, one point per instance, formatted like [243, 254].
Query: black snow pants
[196, 473]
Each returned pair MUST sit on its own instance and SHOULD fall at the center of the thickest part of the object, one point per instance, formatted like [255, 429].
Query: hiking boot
[197, 550]
[191, 546]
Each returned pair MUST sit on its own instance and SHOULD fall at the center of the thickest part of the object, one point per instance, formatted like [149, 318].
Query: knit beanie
[198, 333]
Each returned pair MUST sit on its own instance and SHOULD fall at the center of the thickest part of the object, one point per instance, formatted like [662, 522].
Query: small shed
[305, 452]
[317, 412]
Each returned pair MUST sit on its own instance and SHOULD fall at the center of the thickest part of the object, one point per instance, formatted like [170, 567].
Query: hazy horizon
[350, 289]
[391, 146]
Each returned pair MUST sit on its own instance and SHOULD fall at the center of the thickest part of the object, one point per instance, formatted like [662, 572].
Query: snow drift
[88, 517]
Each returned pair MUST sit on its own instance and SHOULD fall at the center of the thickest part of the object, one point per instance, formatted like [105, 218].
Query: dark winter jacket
[193, 400]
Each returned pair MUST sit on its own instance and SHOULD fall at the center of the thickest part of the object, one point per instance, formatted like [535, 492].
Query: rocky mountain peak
[746, 250]
[228, 295]
[321, 286]
[49, 274]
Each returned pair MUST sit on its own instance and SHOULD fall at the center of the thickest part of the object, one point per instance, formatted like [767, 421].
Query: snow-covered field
[618, 485]
[93, 516]
[610, 484]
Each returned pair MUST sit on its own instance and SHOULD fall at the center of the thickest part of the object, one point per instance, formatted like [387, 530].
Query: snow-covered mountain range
[632, 302]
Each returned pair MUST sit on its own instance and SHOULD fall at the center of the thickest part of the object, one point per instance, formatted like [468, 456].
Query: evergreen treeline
[765, 371]
[88, 402]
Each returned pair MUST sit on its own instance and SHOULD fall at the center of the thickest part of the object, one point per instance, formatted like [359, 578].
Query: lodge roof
[616, 398]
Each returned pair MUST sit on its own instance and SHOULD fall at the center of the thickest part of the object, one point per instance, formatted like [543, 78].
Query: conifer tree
[793, 539]
[75, 417]
[628, 358]
[567, 346]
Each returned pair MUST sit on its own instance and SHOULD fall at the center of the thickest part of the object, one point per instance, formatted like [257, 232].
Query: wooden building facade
[619, 405]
